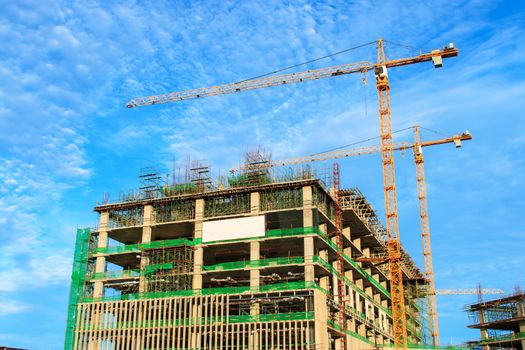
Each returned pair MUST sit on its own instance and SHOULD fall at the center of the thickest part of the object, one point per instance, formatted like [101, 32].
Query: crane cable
[358, 142]
[307, 62]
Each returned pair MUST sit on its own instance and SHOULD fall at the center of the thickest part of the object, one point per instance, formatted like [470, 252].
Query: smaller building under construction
[267, 259]
[500, 321]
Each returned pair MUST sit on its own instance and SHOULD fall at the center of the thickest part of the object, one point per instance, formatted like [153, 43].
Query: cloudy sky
[68, 67]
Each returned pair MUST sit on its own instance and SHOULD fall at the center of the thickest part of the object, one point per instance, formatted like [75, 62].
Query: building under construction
[500, 321]
[265, 259]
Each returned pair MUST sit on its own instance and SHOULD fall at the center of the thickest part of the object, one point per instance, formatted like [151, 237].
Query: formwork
[171, 269]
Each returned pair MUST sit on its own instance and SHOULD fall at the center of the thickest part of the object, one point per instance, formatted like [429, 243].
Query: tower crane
[380, 68]
[417, 148]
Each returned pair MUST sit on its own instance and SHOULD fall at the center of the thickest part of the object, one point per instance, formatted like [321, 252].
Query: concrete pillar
[254, 255]
[255, 202]
[198, 253]
[357, 243]
[359, 283]
[309, 272]
[308, 221]
[335, 282]
[368, 291]
[324, 282]
[321, 317]
[346, 233]
[351, 298]
[483, 330]
[145, 238]
[254, 284]
[100, 263]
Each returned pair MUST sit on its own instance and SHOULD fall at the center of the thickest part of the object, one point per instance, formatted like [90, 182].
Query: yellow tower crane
[380, 68]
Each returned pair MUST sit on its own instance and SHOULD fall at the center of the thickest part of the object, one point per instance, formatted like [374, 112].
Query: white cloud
[11, 307]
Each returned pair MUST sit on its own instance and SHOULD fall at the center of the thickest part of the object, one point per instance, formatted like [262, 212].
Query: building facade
[250, 265]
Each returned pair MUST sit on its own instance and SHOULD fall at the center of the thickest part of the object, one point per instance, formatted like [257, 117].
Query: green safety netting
[170, 243]
[116, 274]
[253, 263]
[152, 268]
[511, 336]
[78, 275]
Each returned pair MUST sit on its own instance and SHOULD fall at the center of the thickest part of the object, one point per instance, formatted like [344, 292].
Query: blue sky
[68, 67]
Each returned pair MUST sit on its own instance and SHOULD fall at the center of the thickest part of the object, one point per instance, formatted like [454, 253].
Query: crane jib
[285, 79]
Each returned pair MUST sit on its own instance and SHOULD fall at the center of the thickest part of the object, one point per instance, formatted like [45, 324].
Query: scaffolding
[168, 269]
[322, 201]
[503, 309]
[150, 180]
[173, 211]
[236, 203]
[285, 198]
[130, 216]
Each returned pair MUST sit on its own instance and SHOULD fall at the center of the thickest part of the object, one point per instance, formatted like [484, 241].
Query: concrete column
[346, 233]
[198, 252]
[351, 299]
[324, 282]
[254, 283]
[321, 317]
[100, 263]
[357, 243]
[335, 282]
[368, 291]
[483, 330]
[308, 221]
[309, 272]
[254, 255]
[366, 252]
[255, 202]
[358, 298]
[359, 283]
[146, 238]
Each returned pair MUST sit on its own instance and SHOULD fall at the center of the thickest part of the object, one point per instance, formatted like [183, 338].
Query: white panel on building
[220, 230]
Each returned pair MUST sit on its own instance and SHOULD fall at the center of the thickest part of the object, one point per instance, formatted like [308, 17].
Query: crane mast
[389, 186]
[387, 150]
[425, 237]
